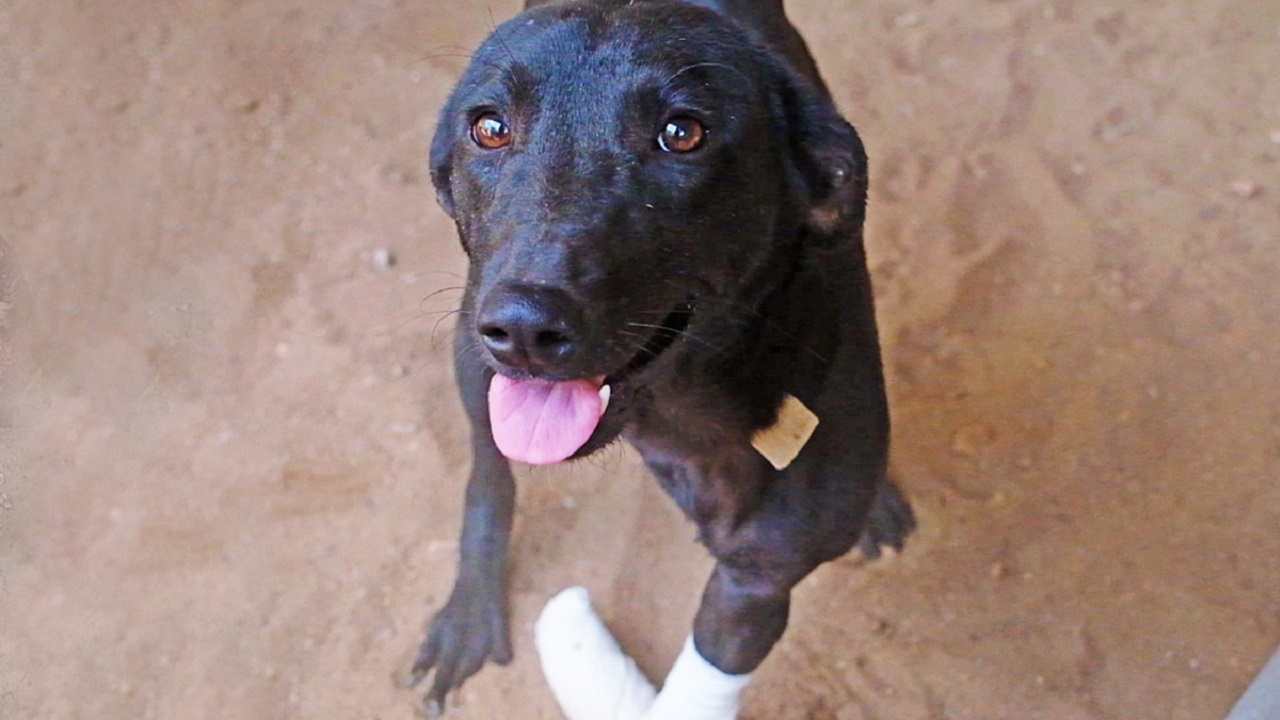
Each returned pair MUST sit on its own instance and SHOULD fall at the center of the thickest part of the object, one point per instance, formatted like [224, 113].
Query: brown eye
[682, 135]
[490, 131]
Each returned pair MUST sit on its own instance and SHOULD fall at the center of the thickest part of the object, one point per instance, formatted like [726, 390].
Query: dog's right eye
[490, 131]
[681, 135]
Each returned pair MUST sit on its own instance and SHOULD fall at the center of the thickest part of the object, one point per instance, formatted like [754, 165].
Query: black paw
[888, 524]
[470, 631]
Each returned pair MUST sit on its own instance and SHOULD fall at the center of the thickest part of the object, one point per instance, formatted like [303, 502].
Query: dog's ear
[825, 158]
[442, 166]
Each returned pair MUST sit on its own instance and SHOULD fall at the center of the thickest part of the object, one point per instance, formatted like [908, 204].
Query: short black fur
[735, 274]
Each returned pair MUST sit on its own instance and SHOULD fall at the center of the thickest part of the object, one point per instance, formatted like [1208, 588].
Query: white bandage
[697, 690]
[589, 674]
[593, 679]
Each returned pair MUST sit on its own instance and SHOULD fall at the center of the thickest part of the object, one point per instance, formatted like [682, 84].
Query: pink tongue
[540, 422]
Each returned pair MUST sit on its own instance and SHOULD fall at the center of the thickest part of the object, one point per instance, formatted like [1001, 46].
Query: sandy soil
[232, 459]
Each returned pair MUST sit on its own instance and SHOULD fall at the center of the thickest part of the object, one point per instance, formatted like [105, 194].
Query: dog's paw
[469, 631]
[889, 523]
[590, 676]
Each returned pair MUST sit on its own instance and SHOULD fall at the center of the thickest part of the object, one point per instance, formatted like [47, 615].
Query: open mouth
[665, 334]
[542, 422]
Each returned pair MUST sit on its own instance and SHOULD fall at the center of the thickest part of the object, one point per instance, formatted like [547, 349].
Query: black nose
[530, 328]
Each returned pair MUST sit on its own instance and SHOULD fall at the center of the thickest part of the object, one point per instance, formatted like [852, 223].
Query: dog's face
[619, 172]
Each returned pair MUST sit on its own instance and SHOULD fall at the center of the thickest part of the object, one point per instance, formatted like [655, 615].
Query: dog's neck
[777, 337]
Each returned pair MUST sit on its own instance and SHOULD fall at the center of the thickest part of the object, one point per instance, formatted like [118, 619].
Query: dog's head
[619, 173]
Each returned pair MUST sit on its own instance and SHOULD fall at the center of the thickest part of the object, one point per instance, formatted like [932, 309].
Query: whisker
[437, 292]
[655, 313]
[472, 347]
[722, 66]
[433, 313]
[452, 48]
[493, 26]
[606, 458]
[641, 346]
[734, 305]
[429, 314]
[465, 55]
[459, 312]
[436, 55]
[444, 272]
[683, 333]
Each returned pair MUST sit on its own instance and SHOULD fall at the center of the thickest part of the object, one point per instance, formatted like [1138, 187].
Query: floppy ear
[825, 158]
[442, 165]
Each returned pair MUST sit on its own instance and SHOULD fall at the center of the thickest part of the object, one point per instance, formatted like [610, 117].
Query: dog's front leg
[472, 628]
[740, 619]
[743, 613]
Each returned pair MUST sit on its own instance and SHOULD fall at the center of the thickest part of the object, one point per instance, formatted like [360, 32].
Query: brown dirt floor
[232, 458]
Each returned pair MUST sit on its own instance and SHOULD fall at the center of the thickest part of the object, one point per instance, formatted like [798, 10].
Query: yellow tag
[782, 442]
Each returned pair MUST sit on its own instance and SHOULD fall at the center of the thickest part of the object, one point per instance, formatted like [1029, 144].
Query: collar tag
[782, 442]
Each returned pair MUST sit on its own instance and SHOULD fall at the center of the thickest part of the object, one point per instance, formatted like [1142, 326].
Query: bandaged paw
[589, 674]
[593, 679]
[697, 690]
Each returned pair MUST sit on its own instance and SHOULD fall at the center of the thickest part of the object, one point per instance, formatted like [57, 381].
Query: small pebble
[383, 259]
[1275, 136]
[909, 19]
[403, 428]
[399, 371]
[441, 547]
[1245, 188]
[969, 441]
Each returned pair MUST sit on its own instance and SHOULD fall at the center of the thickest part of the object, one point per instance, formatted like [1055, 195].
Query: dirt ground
[232, 458]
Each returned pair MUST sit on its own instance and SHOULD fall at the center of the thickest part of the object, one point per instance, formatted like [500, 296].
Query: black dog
[663, 212]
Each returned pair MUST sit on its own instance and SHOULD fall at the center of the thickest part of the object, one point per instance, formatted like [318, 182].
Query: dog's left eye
[682, 135]
[490, 131]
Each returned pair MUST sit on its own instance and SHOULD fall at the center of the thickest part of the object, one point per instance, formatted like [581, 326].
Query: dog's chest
[699, 449]
[717, 491]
